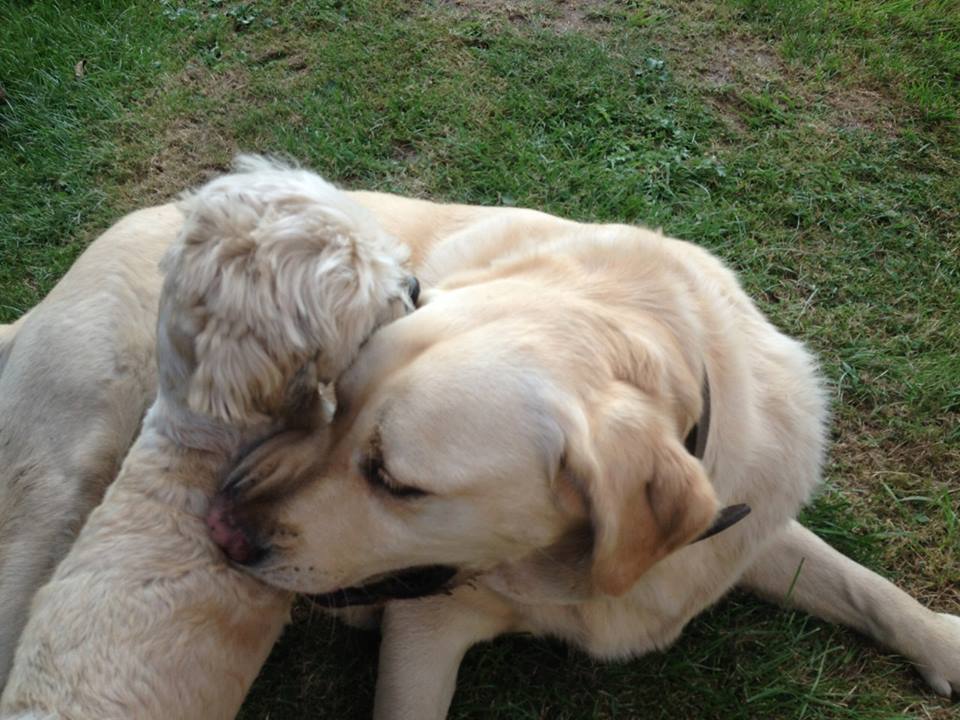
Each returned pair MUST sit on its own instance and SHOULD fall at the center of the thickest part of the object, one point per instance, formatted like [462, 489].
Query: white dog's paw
[942, 671]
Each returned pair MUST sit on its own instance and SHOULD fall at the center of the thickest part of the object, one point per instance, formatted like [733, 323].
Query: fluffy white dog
[275, 280]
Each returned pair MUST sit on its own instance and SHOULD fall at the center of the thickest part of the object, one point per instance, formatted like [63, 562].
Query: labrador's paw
[942, 667]
[287, 457]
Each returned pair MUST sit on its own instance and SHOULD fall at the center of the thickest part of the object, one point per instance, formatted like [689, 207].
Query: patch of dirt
[862, 109]
[294, 60]
[196, 144]
[893, 485]
[732, 63]
[558, 15]
[705, 45]
[737, 58]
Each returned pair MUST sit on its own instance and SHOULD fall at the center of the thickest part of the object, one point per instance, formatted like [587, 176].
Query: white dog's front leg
[834, 587]
[423, 643]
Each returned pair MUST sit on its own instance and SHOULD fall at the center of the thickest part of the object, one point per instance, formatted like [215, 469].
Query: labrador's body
[525, 426]
[508, 367]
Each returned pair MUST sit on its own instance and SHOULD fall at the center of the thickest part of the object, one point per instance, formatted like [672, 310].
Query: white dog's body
[505, 275]
[276, 280]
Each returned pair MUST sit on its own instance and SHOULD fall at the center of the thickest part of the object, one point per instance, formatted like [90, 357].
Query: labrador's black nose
[413, 288]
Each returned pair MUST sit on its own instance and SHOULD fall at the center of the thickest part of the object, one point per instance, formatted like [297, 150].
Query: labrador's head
[510, 425]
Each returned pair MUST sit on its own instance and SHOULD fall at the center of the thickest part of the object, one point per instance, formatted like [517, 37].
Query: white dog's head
[276, 279]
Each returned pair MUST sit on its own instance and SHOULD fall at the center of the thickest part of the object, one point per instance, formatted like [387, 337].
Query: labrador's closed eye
[374, 470]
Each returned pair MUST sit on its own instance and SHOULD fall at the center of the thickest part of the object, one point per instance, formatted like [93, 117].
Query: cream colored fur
[77, 372]
[539, 398]
[275, 280]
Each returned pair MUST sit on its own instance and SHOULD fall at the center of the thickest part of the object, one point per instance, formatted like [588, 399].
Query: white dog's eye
[377, 475]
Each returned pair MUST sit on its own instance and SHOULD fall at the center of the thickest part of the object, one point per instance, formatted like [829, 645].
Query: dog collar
[696, 440]
[696, 444]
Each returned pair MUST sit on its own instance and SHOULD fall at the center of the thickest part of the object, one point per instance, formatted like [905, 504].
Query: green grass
[812, 144]
[908, 49]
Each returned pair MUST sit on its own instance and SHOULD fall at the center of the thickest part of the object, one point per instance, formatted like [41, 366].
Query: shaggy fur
[526, 427]
[274, 282]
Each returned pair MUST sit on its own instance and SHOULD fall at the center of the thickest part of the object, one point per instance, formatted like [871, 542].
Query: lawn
[815, 145]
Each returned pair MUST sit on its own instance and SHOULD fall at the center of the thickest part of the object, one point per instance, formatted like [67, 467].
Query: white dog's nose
[412, 286]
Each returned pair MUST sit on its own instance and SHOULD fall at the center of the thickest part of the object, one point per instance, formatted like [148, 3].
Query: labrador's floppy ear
[648, 496]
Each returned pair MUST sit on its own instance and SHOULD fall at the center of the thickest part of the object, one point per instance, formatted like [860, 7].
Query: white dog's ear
[647, 495]
[268, 288]
[238, 378]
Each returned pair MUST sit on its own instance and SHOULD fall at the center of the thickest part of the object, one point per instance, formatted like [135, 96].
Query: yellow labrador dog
[543, 447]
[274, 282]
[514, 334]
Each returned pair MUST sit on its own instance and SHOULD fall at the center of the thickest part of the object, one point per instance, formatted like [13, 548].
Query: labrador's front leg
[423, 644]
[800, 568]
